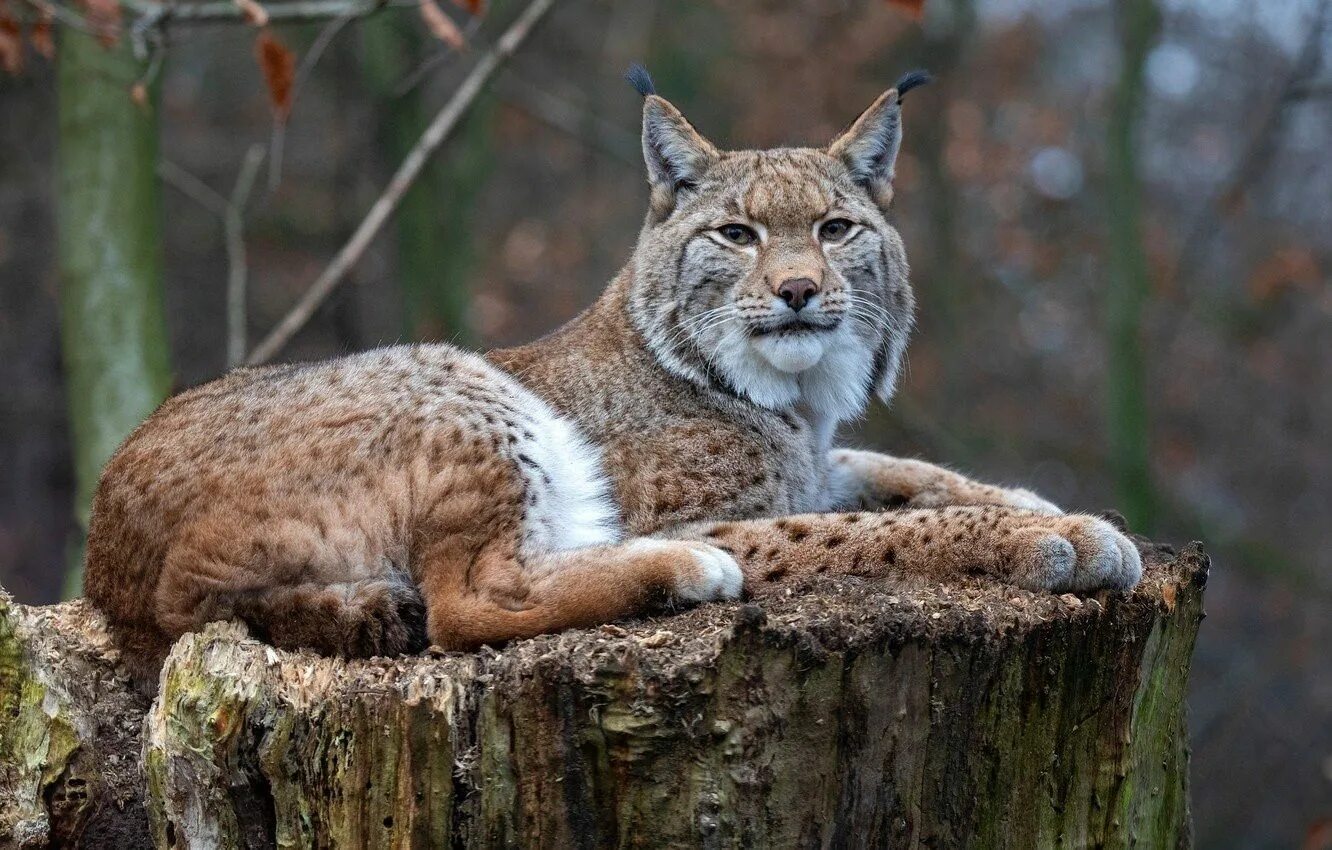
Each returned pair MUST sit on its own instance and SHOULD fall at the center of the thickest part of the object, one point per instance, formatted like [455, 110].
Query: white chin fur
[790, 353]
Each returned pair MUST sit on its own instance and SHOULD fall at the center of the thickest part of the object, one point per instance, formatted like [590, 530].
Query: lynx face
[774, 274]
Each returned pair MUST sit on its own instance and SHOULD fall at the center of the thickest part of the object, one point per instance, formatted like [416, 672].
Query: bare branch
[1262, 145]
[277, 144]
[445, 54]
[150, 74]
[572, 118]
[291, 11]
[234, 227]
[231, 211]
[440, 127]
[151, 15]
[194, 188]
[63, 15]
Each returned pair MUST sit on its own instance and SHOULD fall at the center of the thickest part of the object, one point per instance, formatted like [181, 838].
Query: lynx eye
[834, 229]
[738, 234]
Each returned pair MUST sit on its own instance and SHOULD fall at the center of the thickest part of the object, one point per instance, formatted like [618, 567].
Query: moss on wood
[69, 732]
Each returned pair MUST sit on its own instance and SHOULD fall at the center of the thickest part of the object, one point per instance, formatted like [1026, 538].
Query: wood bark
[839, 714]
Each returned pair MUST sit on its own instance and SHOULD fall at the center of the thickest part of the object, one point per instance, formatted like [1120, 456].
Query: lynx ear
[869, 149]
[675, 153]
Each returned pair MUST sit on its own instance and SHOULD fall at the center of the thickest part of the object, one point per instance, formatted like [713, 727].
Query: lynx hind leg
[1035, 551]
[359, 619]
[355, 619]
[296, 595]
[875, 481]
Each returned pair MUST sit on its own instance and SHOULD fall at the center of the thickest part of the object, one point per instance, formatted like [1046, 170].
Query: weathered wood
[70, 732]
[841, 714]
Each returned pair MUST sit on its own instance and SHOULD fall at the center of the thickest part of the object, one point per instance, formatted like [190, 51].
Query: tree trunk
[841, 714]
[1129, 287]
[941, 48]
[113, 331]
[435, 256]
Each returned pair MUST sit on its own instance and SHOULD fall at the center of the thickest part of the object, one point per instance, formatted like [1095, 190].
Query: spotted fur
[674, 440]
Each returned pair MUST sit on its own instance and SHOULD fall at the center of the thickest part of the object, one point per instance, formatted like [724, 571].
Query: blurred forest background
[1117, 213]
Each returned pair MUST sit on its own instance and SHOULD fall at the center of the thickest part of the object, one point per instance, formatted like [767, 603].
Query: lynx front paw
[707, 574]
[714, 575]
[699, 572]
[1073, 553]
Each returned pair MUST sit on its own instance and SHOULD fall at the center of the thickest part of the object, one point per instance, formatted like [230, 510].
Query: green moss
[11, 669]
[154, 768]
[38, 741]
[1153, 804]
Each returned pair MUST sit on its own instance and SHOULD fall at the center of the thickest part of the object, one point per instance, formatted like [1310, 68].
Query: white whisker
[696, 325]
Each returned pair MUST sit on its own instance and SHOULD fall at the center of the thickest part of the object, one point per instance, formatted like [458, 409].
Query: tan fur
[1035, 551]
[683, 423]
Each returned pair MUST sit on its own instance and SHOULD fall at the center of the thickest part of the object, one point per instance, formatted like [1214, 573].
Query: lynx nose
[797, 291]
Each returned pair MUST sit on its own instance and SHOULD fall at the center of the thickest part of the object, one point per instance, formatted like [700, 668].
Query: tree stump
[840, 713]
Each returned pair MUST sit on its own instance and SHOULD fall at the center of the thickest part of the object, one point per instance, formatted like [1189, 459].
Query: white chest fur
[568, 501]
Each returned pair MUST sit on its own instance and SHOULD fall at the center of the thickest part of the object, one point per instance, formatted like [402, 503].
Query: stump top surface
[836, 613]
[818, 614]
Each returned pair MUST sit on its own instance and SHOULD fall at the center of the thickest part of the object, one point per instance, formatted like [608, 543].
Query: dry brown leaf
[656, 639]
[139, 94]
[914, 9]
[441, 26]
[1293, 267]
[103, 19]
[1168, 592]
[279, 67]
[253, 13]
[41, 37]
[11, 43]
[1318, 835]
[473, 7]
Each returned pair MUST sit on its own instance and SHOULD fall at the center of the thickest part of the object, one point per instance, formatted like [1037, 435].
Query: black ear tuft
[911, 80]
[638, 77]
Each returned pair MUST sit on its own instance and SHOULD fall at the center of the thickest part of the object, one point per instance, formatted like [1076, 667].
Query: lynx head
[774, 274]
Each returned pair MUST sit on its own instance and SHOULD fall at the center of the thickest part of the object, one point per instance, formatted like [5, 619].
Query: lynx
[674, 443]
